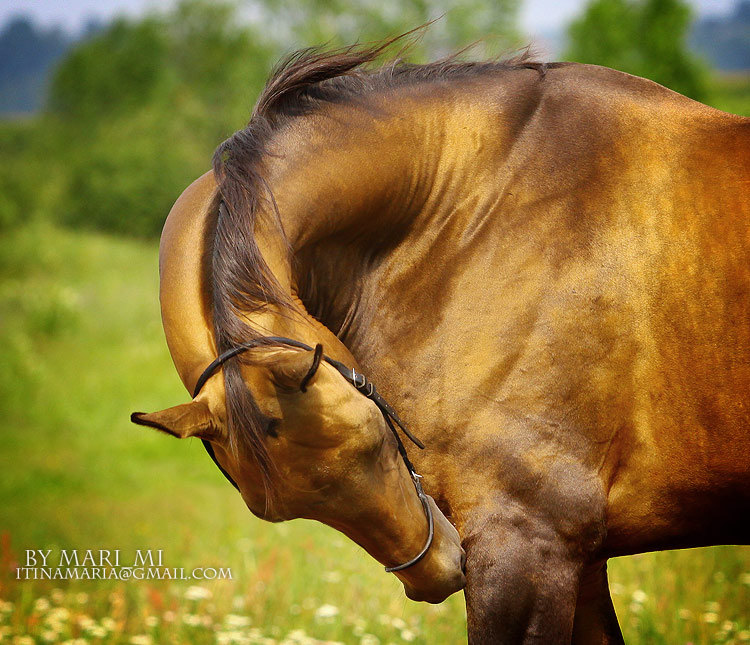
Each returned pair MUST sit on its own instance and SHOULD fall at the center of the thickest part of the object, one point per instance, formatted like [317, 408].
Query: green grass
[81, 348]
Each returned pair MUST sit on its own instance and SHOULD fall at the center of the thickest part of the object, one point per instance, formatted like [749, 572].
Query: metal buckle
[356, 383]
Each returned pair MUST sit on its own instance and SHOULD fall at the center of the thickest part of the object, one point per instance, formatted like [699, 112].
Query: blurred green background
[100, 131]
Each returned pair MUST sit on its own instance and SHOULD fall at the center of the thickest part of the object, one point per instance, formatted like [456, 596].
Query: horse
[545, 268]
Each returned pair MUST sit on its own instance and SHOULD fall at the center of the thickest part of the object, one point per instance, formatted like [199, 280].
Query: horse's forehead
[185, 290]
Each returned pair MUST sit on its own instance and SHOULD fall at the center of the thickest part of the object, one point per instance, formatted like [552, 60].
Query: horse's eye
[270, 426]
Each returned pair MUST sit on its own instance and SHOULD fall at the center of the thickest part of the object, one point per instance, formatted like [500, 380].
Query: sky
[537, 16]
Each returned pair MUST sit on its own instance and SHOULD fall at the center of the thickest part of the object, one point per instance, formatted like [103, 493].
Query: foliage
[112, 73]
[643, 37]
[138, 109]
[142, 106]
[731, 94]
[127, 178]
[455, 24]
[31, 172]
[17, 188]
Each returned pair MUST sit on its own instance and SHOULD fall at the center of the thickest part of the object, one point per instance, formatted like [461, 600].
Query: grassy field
[81, 348]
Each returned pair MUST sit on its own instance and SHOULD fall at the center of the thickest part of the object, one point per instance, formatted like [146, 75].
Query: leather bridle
[360, 382]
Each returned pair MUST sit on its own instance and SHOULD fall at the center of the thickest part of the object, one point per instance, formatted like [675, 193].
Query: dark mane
[302, 83]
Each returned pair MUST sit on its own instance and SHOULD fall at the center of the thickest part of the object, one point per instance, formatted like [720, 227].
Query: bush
[128, 178]
[142, 107]
[643, 37]
[30, 171]
[135, 113]
[116, 71]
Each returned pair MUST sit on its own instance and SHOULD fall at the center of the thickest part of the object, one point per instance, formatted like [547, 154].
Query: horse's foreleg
[595, 620]
[521, 585]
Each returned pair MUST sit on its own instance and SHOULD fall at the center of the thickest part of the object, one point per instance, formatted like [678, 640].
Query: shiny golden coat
[548, 275]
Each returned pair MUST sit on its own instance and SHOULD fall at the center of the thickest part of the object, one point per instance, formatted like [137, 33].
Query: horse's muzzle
[441, 573]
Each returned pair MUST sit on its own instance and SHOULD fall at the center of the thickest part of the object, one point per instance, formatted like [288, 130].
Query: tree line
[134, 112]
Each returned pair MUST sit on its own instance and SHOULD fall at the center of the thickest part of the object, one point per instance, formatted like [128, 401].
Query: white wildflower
[97, 631]
[640, 596]
[326, 612]
[233, 638]
[41, 604]
[23, 640]
[194, 592]
[191, 620]
[109, 623]
[58, 615]
[141, 639]
[85, 622]
[233, 620]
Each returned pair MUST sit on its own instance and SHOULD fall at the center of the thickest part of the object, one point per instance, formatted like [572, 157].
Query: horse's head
[332, 458]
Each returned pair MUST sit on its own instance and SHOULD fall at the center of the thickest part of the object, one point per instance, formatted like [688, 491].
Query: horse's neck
[391, 177]
[294, 322]
[332, 189]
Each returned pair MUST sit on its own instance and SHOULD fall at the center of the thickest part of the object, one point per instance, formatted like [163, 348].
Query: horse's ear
[295, 370]
[187, 420]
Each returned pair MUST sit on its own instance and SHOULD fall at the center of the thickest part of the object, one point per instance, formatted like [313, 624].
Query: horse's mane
[242, 283]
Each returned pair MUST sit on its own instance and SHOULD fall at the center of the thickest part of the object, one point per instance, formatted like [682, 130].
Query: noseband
[360, 382]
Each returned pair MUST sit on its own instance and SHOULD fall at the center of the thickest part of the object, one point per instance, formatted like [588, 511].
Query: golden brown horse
[545, 269]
